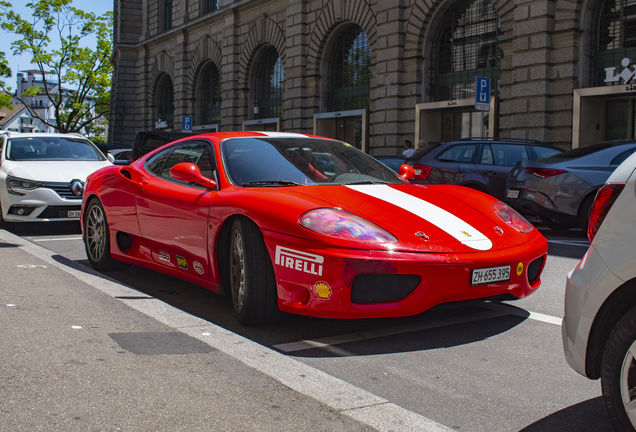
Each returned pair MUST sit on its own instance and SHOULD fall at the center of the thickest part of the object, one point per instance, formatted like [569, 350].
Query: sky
[22, 62]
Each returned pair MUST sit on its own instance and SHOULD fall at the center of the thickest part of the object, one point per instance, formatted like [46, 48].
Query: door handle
[490, 173]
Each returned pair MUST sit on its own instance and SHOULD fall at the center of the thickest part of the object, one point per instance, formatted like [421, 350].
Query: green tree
[55, 36]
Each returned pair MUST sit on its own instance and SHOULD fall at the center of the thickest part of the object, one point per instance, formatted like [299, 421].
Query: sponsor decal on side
[198, 267]
[182, 263]
[322, 290]
[164, 256]
[299, 261]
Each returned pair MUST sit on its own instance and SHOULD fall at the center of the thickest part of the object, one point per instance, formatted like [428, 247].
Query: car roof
[502, 140]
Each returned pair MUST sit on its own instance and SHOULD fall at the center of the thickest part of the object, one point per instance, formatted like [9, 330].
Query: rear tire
[97, 238]
[584, 212]
[555, 225]
[252, 280]
[618, 374]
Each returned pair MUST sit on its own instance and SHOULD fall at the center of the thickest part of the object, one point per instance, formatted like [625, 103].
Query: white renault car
[599, 327]
[42, 175]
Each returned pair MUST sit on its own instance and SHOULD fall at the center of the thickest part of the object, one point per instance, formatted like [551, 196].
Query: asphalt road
[486, 367]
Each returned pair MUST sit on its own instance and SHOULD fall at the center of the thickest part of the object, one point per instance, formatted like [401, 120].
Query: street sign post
[482, 94]
[186, 124]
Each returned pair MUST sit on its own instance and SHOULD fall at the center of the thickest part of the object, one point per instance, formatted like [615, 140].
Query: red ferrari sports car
[306, 225]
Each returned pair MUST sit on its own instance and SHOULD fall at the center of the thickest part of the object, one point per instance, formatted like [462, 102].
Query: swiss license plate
[490, 275]
[513, 193]
[73, 213]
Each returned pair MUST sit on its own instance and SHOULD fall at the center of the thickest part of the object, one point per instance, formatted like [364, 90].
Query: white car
[599, 327]
[42, 175]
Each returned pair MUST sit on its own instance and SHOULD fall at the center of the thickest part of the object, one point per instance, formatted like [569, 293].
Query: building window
[165, 103]
[270, 84]
[209, 98]
[209, 5]
[349, 71]
[466, 45]
[616, 36]
[167, 14]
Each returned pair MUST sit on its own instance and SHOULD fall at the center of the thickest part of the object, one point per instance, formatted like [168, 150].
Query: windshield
[300, 161]
[52, 148]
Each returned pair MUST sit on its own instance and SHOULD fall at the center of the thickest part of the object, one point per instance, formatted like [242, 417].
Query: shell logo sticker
[322, 290]
[182, 263]
[519, 269]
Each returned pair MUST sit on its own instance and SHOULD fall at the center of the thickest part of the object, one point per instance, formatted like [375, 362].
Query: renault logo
[77, 187]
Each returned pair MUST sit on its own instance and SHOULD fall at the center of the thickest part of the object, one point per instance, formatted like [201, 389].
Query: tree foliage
[56, 36]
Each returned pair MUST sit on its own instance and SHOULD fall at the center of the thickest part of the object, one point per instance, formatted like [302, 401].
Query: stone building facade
[376, 72]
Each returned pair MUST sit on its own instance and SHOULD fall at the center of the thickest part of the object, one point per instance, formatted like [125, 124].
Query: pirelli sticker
[298, 260]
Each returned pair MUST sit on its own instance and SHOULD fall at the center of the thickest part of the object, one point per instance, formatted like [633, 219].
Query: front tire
[97, 241]
[618, 374]
[252, 281]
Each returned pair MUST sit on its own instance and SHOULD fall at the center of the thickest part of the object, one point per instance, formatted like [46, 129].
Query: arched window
[616, 36]
[466, 45]
[209, 97]
[165, 102]
[349, 71]
[269, 85]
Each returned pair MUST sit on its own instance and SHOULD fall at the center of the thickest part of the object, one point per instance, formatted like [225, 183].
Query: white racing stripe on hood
[439, 217]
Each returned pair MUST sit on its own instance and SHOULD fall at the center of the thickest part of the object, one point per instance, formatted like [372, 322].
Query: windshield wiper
[365, 182]
[272, 183]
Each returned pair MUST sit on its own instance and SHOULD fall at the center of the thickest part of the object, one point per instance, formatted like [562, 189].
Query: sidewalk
[77, 359]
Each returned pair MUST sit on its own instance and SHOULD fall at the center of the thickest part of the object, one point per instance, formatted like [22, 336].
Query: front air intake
[534, 269]
[382, 288]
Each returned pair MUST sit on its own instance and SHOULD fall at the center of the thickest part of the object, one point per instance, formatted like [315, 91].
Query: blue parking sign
[482, 94]
[186, 124]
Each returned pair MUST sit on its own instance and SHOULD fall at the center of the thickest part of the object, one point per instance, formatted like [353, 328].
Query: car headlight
[344, 225]
[15, 185]
[512, 218]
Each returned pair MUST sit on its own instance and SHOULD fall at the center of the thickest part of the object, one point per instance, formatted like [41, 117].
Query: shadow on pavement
[218, 309]
[587, 416]
[44, 228]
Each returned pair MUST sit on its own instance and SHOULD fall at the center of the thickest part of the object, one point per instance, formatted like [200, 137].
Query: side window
[621, 157]
[486, 155]
[155, 163]
[545, 152]
[195, 152]
[458, 153]
[508, 154]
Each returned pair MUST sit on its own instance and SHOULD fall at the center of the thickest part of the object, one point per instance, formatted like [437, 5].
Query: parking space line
[512, 310]
[496, 310]
[583, 243]
[390, 331]
[54, 239]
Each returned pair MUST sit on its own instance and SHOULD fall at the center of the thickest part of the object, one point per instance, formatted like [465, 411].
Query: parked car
[122, 156]
[146, 141]
[42, 175]
[561, 189]
[393, 162]
[121, 153]
[599, 327]
[479, 163]
[258, 216]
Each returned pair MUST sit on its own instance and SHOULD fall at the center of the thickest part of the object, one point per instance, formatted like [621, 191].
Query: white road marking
[496, 310]
[54, 239]
[333, 392]
[583, 243]
[390, 331]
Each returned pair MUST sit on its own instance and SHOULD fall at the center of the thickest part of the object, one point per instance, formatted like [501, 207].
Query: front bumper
[42, 204]
[325, 282]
